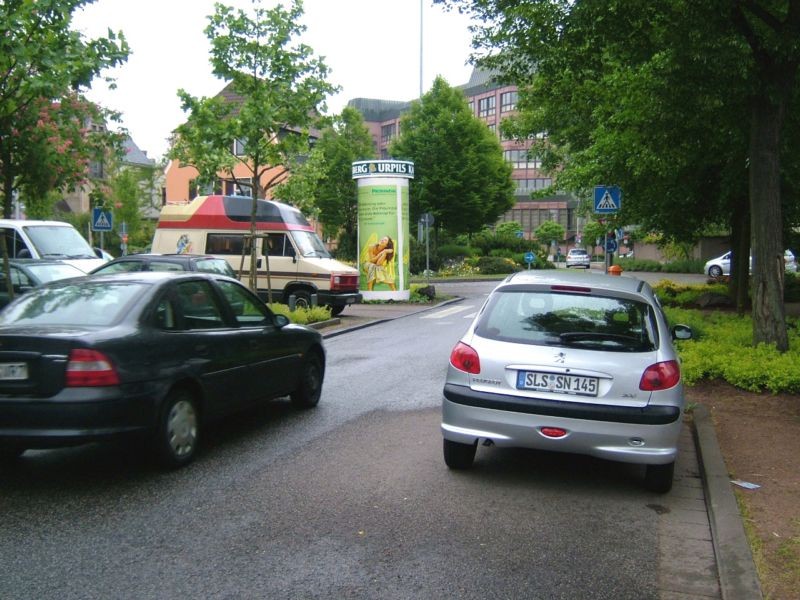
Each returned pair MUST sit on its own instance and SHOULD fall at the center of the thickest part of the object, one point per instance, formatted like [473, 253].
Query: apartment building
[491, 102]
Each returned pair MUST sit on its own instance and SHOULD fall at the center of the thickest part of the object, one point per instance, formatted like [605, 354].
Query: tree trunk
[769, 322]
[740, 265]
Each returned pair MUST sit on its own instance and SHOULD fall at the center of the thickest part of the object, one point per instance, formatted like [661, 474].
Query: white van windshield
[53, 241]
[309, 244]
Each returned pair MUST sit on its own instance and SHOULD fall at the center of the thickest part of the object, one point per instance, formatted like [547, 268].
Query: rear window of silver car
[85, 304]
[574, 320]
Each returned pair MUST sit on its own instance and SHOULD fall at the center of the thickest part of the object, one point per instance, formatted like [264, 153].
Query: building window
[238, 147]
[508, 101]
[387, 132]
[525, 187]
[520, 159]
[96, 170]
[471, 105]
[486, 106]
[492, 127]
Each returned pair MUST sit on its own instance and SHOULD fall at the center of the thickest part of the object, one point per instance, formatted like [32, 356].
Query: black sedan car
[159, 354]
[167, 262]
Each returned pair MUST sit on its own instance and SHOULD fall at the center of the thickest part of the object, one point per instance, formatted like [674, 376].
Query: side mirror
[281, 321]
[682, 332]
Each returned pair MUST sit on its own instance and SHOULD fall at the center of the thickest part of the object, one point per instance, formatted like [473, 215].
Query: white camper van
[299, 263]
[51, 240]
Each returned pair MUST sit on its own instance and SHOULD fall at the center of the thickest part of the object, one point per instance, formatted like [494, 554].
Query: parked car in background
[51, 240]
[561, 362]
[155, 354]
[578, 257]
[791, 262]
[167, 262]
[27, 274]
[721, 265]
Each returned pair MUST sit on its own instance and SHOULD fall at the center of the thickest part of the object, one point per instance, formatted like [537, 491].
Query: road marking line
[447, 312]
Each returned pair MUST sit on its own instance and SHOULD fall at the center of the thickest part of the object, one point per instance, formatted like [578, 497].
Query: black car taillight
[90, 368]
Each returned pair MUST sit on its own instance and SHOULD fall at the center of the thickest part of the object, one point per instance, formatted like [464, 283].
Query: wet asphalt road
[349, 500]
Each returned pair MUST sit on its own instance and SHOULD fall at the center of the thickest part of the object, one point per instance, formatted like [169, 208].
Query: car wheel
[336, 310]
[658, 478]
[714, 271]
[10, 452]
[178, 430]
[459, 456]
[302, 299]
[309, 384]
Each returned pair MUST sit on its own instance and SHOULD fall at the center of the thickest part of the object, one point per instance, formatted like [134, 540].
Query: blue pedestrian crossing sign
[102, 220]
[607, 199]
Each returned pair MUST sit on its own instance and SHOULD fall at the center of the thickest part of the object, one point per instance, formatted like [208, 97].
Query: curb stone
[738, 579]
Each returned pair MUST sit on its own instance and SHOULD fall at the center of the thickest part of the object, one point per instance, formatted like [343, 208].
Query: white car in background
[721, 265]
[578, 257]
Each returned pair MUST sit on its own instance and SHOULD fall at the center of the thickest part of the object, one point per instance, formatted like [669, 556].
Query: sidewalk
[693, 563]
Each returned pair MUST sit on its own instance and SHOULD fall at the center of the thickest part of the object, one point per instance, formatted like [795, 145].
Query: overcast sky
[371, 47]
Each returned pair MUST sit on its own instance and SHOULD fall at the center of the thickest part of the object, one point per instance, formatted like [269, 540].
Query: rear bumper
[647, 435]
[338, 298]
[75, 416]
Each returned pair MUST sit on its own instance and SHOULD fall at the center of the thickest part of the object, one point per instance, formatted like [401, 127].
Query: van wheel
[336, 310]
[302, 299]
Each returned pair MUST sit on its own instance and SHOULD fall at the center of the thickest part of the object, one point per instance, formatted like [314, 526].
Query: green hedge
[722, 349]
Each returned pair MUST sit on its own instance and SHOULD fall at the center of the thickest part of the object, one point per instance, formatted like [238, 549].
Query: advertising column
[383, 230]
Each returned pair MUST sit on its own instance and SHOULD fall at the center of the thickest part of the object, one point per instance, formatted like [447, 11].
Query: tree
[277, 88]
[45, 143]
[461, 177]
[685, 112]
[549, 232]
[327, 176]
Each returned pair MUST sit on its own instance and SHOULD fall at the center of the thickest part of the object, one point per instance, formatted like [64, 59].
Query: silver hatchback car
[568, 362]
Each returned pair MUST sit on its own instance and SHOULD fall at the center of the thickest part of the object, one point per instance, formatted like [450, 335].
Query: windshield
[99, 303]
[576, 320]
[47, 273]
[59, 241]
[309, 244]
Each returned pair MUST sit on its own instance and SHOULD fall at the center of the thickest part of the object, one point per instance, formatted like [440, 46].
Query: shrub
[635, 264]
[791, 288]
[418, 257]
[302, 316]
[495, 265]
[684, 266]
[687, 295]
[722, 349]
[453, 251]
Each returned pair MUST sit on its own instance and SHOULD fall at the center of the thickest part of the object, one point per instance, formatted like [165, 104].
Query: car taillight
[660, 376]
[90, 368]
[341, 282]
[464, 358]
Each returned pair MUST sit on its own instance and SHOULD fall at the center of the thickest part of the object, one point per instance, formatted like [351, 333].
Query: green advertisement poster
[383, 233]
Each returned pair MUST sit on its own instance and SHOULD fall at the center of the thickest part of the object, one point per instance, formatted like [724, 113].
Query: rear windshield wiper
[594, 336]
